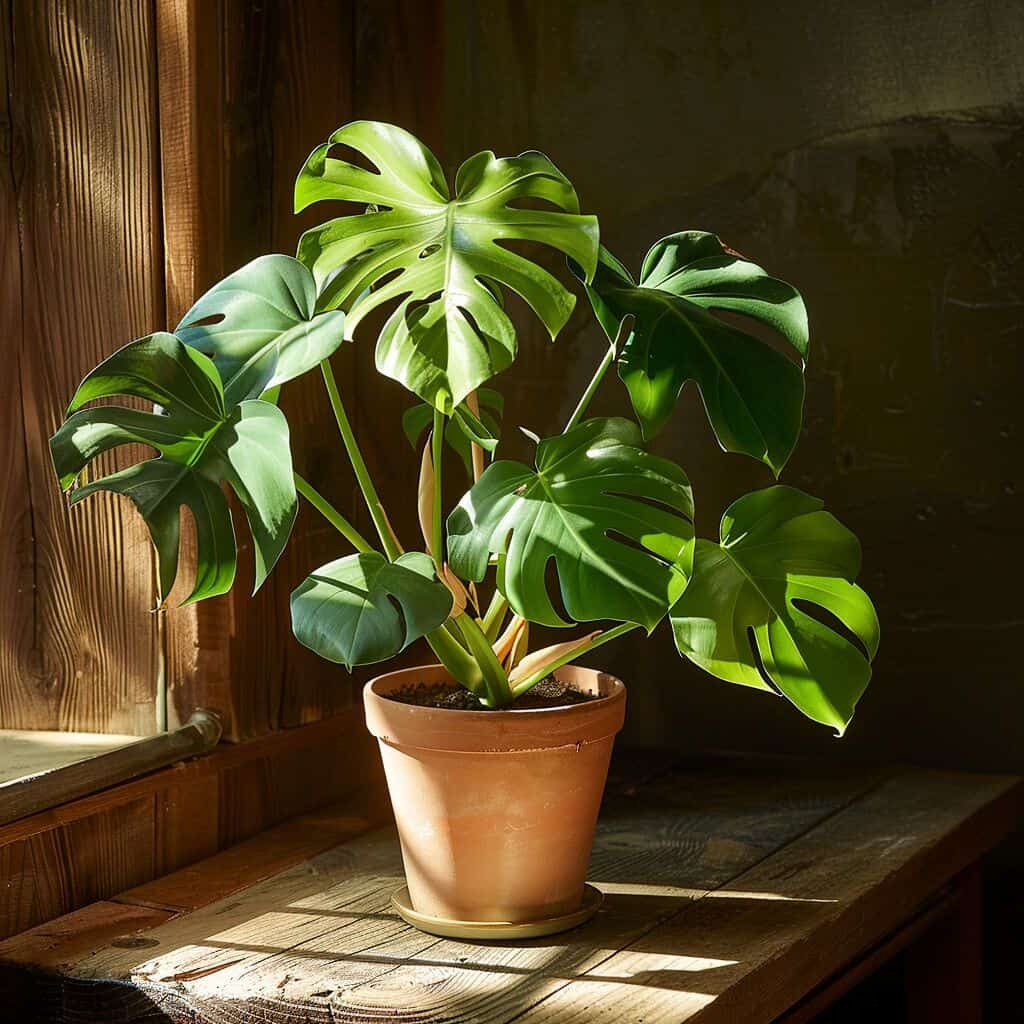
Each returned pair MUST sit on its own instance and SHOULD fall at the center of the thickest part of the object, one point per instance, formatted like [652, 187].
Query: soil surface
[549, 693]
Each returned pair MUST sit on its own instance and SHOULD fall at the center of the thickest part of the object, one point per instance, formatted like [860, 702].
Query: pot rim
[497, 731]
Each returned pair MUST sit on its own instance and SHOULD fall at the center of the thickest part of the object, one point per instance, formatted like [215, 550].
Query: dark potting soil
[549, 693]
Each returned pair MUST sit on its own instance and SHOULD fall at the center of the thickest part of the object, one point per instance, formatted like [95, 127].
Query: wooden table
[739, 890]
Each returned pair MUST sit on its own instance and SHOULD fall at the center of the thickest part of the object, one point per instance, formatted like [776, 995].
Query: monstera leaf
[616, 520]
[346, 610]
[259, 328]
[753, 393]
[201, 441]
[779, 555]
[464, 427]
[442, 257]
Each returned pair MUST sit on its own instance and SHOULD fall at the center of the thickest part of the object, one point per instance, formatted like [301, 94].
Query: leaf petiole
[370, 496]
[331, 514]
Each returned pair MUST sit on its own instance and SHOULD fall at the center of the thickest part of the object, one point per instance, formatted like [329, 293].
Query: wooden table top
[733, 888]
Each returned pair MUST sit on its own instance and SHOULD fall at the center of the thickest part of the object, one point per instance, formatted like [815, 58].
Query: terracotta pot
[495, 809]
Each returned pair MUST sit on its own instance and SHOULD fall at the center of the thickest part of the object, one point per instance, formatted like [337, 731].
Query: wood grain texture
[60, 859]
[79, 648]
[290, 87]
[197, 150]
[79, 933]
[28, 752]
[75, 863]
[105, 768]
[781, 927]
[285, 76]
[756, 884]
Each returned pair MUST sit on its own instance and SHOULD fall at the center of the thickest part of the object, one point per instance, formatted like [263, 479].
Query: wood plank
[69, 938]
[323, 935]
[22, 797]
[76, 863]
[809, 1008]
[72, 936]
[944, 970]
[750, 950]
[762, 883]
[57, 860]
[253, 860]
[28, 752]
[277, 79]
[79, 647]
[312, 95]
[190, 92]
[659, 847]
[322, 740]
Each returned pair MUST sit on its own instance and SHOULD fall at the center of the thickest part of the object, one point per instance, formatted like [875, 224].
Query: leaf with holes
[348, 610]
[440, 257]
[753, 393]
[616, 520]
[202, 442]
[780, 555]
[260, 328]
[464, 427]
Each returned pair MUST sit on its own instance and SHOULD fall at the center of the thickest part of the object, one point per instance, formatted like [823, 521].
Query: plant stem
[331, 514]
[542, 673]
[595, 381]
[499, 693]
[494, 616]
[459, 662]
[370, 496]
[476, 452]
[436, 455]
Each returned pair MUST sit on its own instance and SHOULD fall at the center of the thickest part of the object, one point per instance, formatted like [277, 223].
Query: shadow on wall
[874, 157]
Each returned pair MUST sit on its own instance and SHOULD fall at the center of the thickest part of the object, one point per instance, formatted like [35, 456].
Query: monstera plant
[595, 530]
[587, 530]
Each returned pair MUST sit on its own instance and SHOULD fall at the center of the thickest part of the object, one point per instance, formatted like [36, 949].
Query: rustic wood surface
[102, 768]
[246, 91]
[190, 115]
[149, 150]
[58, 860]
[28, 752]
[733, 889]
[81, 274]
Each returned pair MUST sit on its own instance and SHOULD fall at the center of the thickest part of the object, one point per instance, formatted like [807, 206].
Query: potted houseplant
[496, 756]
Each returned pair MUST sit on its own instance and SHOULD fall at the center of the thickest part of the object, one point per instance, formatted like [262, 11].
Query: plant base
[451, 929]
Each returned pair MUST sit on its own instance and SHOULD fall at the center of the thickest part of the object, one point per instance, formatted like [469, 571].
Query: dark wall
[873, 154]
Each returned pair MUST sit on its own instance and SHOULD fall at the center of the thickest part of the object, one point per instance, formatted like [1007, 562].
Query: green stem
[595, 381]
[494, 616]
[542, 673]
[499, 693]
[436, 455]
[331, 514]
[460, 663]
[370, 496]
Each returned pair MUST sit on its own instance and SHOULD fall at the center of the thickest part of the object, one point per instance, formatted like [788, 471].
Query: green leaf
[779, 550]
[441, 258]
[463, 427]
[200, 443]
[259, 326]
[346, 610]
[753, 393]
[616, 520]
